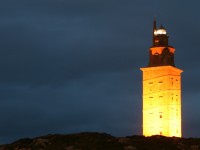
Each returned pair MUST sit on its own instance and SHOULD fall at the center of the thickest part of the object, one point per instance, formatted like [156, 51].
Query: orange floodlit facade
[161, 89]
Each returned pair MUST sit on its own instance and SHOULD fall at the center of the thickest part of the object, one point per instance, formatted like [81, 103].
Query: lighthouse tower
[161, 89]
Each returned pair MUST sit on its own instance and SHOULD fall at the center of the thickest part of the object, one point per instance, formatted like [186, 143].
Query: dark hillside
[102, 141]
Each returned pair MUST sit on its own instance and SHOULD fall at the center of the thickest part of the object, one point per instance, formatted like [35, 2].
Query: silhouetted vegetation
[103, 141]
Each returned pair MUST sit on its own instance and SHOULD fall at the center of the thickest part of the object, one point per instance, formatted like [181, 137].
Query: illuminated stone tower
[161, 89]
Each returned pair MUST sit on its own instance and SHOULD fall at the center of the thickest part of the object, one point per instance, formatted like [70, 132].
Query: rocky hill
[102, 141]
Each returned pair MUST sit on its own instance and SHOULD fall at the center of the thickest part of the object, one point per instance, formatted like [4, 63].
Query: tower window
[160, 132]
[160, 116]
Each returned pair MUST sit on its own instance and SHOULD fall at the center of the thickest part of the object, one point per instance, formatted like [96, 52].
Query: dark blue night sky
[68, 66]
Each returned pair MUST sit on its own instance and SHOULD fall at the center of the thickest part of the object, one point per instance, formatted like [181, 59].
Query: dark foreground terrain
[102, 141]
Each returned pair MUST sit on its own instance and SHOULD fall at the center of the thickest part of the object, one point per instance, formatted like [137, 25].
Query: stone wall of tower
[162, 101]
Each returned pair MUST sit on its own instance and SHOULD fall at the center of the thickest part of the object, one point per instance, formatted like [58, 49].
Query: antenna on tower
[154, 24]
[154, 28]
